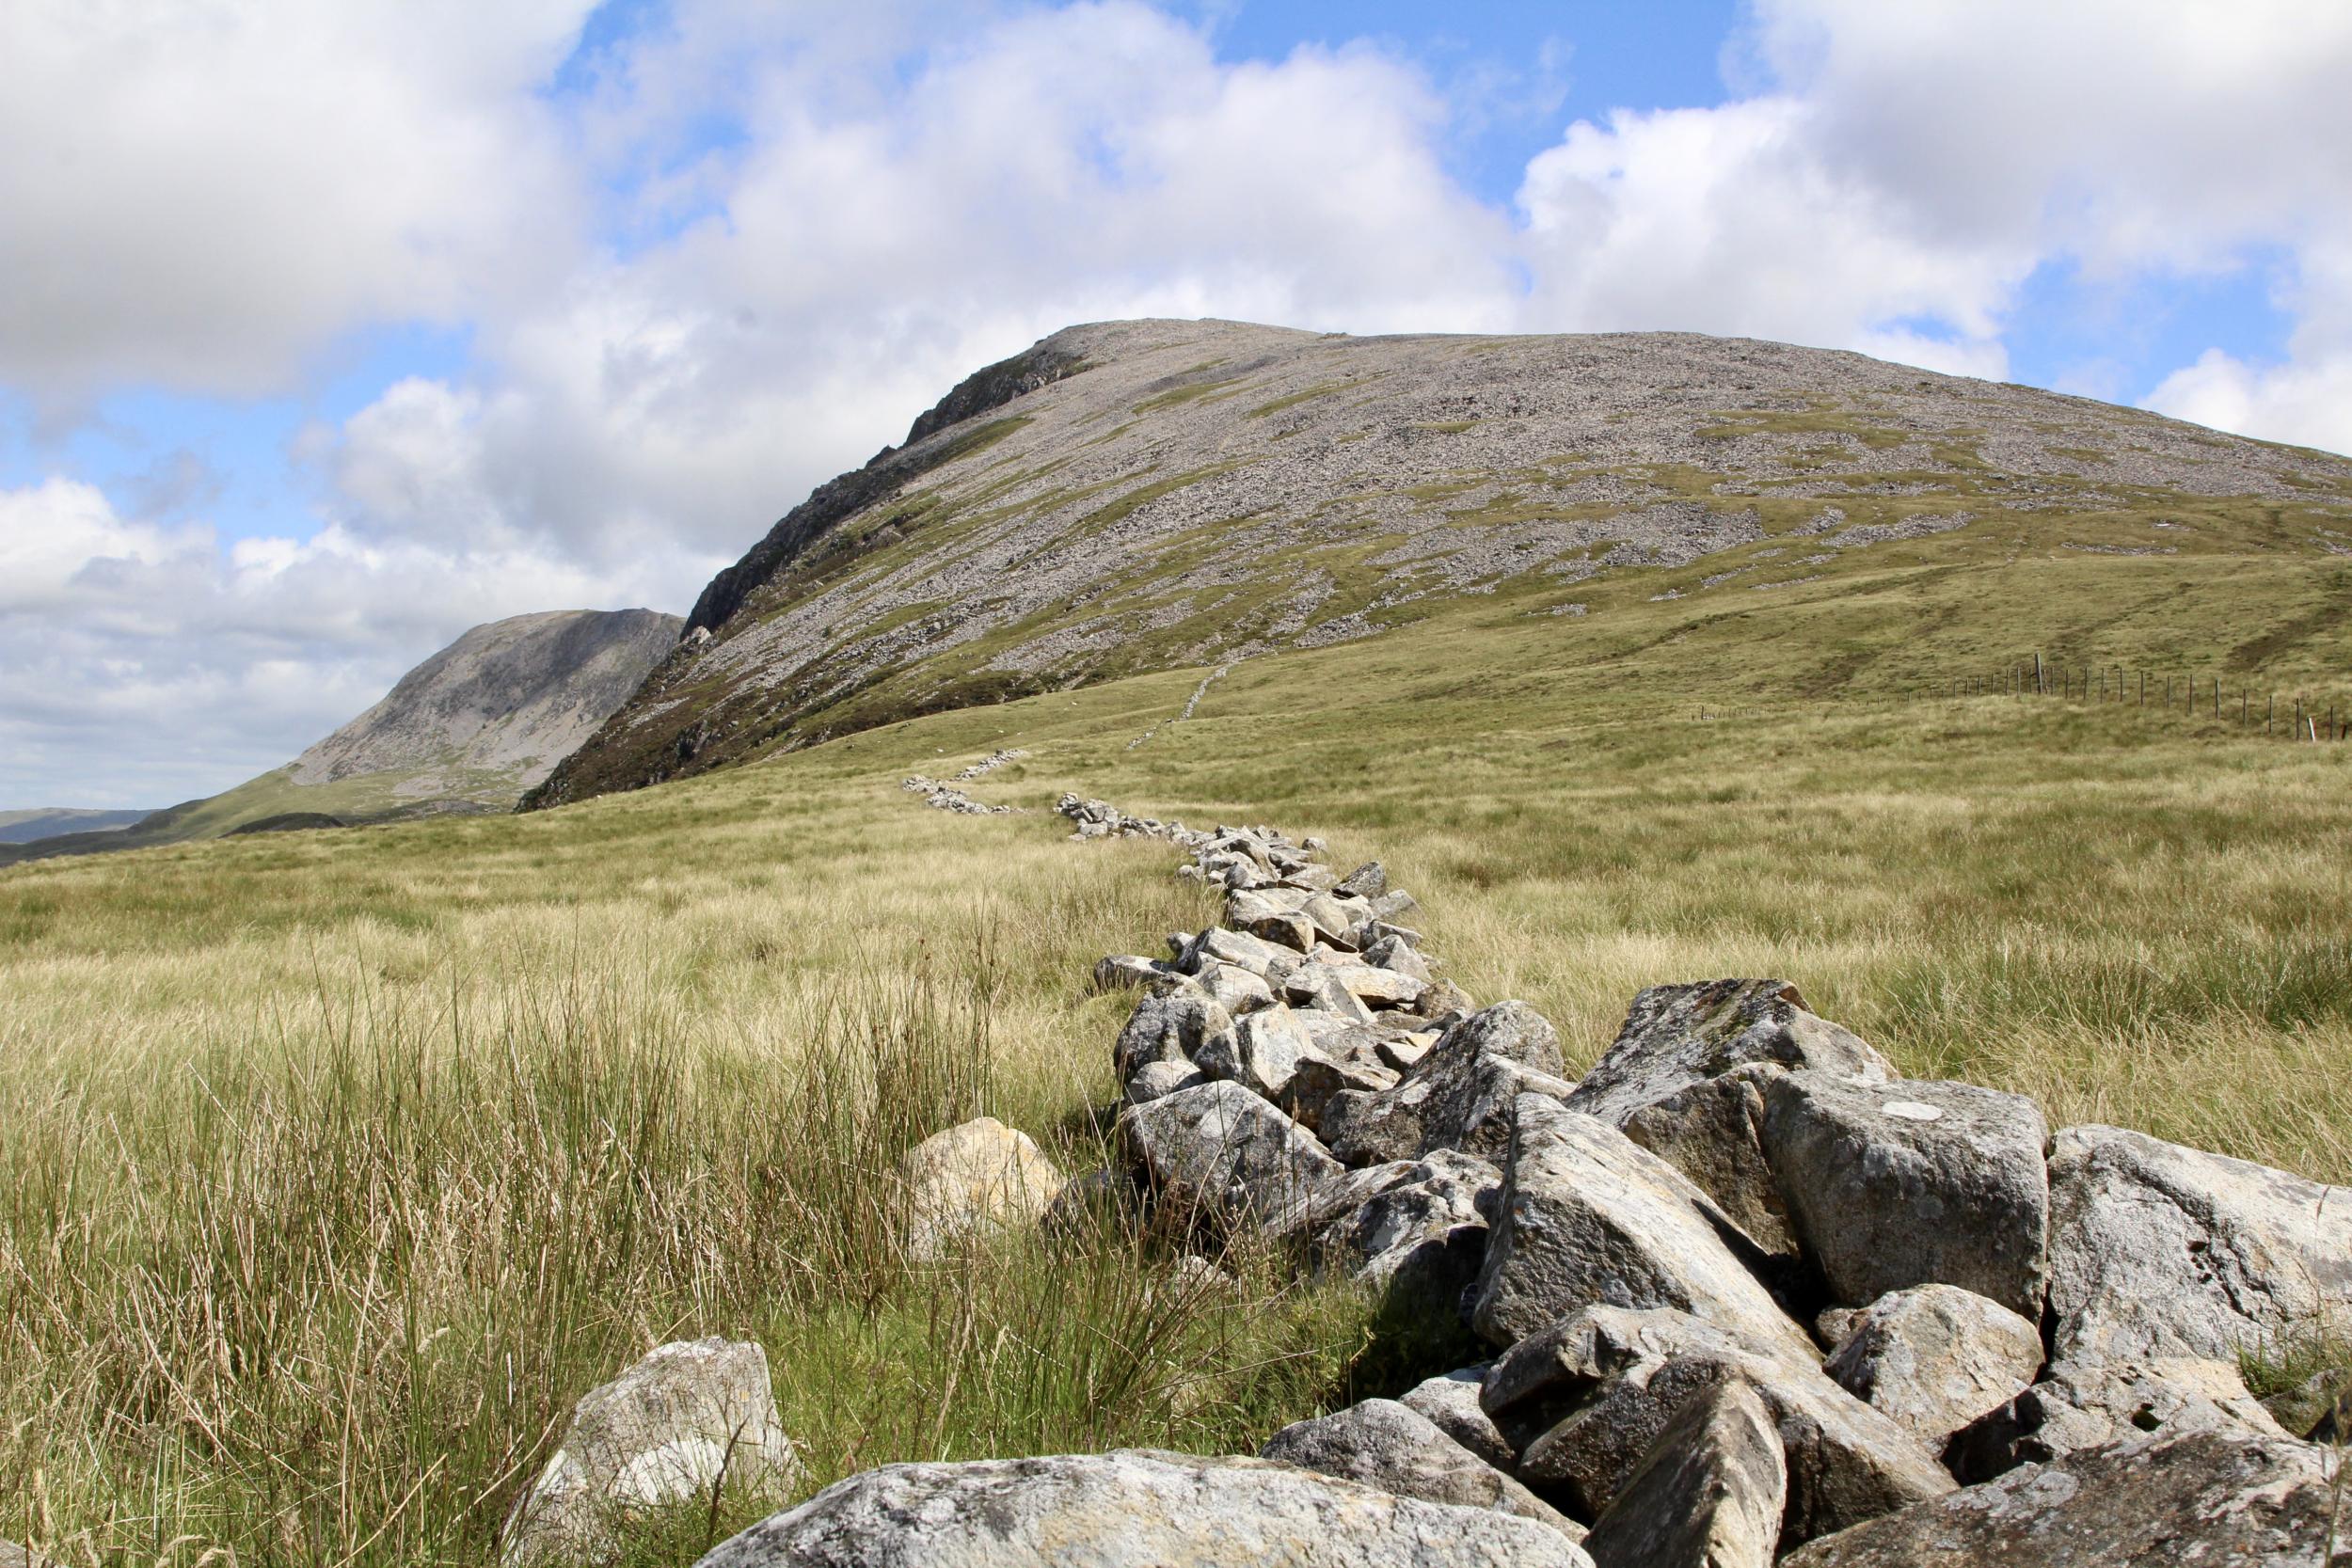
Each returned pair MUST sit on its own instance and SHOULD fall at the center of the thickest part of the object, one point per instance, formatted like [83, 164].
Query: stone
[1317, 986]
[1368, 880]
[1263, 1053]
[1935, 1359]
[1319, 1079]
[2154, 1502]
[1585, 1400]
[2314, 1409]
[1459, 1095]
[1444, 1000]
[1133, 1509]
[1154, 1079]
[1415, 1230]
[2079, 1407]
[1099, 1200]
[693, 1416]
[1260, 957]
[1169, 1028]
[1450, 1401]
[1387, 987]
[1127, 972]
[1403, 1055]
[1395, 953]
[1590, 1218]
[1390, 1446]
[15, 1556]
[1712, 1132]
[1220, 1155]
[1890, 1185]
[1237, 990]
[970, 1181]
[1708, 1495]
[1333, 919]
[1314, 878]
[1394, 906]
[1676, 1035]
[2159, 1251]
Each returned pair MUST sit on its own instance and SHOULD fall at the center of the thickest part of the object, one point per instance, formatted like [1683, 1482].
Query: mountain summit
[1148, 494]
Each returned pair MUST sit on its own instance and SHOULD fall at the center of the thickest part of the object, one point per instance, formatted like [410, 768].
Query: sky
[329, 331]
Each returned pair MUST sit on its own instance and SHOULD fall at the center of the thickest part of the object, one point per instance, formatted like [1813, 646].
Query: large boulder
[1133, 1509]
[2088, 1406]
[1676, 1035]
[1589, 1218]
[1935, 1359]
[1173, 1027]
[1413, 1229]
[1221, 1155]
[969, 1181]
[1712, 1131]
[2159, 1251]
[1891, 1185]
[1708, 1495]
[1384, 1444]
[691, 1418]
[1456, 1096]
[1585, 1400]
[2154, 1502]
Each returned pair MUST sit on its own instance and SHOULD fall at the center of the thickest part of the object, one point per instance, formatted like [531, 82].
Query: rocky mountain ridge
[1146, 494]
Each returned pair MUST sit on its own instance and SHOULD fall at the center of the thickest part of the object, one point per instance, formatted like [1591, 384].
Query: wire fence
[2289, 716]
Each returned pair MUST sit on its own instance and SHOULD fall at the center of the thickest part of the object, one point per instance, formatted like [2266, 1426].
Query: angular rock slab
[970, 1180]
[1415, 1230]
[1589, 1218]
[1586, 1398]
[2161, 1251]
[1457, 1096]
[2081, 1407]
[1678, 1036]
[1133, 1509]
[1708, 1495]
[1891, 1185]
[1262, 1052]
[1450, 1401]
[688, 1418]
[1220, 1153]
[1174, 1027]
[2196, 1498]
[1384, 1444]
[1935, 1359]
[1712, 1131]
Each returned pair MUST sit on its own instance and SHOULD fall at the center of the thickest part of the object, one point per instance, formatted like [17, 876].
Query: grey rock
[1154, 1079]
[1334, 915]
[1237, 990]
[1936, 1358]
[1676, 1035]
[1586, 1398]
[1169, 1028]
[1390, 1446]
[1416, 1231]
[1890, 1185]
[1712, 1131]
[1318, 986]
[1319, 1079]
[690, 1417]
[2159, 1251]
[1133, 1509]
[1708, 1495]
[1240, 948]
[1589, 1218]
[2317, 1408]
[1394, 906]
[1368, 880]
[2153, 1502]
[1450, 1401]
[15, 1556]
[1263, 1053]
[1100, 1201]
[1394, 952]
[1369, 982]
[1312, 879]
[1221, 1155]
[2081, 1407]
[1127, 972]
[1457, 1096]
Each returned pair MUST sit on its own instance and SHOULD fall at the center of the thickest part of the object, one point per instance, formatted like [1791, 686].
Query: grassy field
[336, 1164]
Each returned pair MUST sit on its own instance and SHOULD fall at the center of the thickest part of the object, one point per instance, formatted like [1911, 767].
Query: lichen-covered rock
[1935, 1359]
[1712, 1132]
[1133, 1509]
[1586, 1398]
[689, 1417]
[1262, 1052]
[2158, 1251]
[1221, 1155]
[1450, 1401]
[2203, 1498]
[972, 1180]
[1384, 1444]
[1676, 1035]
[1154, 1079]
[1589, 1218]
[1128, 972]
[2083, 1406]
[1415, 1230]
[1891, 1185]
[1708, 1495]
[1319, 1079]
[1457, 1096]
[1169, 1028]
[1218, 945]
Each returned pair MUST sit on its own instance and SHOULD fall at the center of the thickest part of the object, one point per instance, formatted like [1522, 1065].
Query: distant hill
[469, 730]
[26, 827]
[1142, 496]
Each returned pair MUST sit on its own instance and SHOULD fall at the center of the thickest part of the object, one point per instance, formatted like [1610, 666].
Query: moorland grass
[337, 1165]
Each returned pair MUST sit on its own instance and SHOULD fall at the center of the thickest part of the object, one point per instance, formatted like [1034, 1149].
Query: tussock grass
[337, 1166]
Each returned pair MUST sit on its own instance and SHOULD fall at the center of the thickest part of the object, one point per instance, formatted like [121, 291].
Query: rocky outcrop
[1134, 1509]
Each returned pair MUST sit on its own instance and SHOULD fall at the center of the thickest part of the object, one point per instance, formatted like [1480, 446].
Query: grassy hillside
[344, 1161]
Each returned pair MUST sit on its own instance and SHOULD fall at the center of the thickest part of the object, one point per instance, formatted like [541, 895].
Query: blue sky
[338, 329]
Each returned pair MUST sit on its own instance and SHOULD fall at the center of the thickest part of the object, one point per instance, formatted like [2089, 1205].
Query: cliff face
[1146, 494]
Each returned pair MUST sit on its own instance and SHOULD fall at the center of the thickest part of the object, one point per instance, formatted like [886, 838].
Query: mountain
[469, 730]
[39, 822]
[1138, 496]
